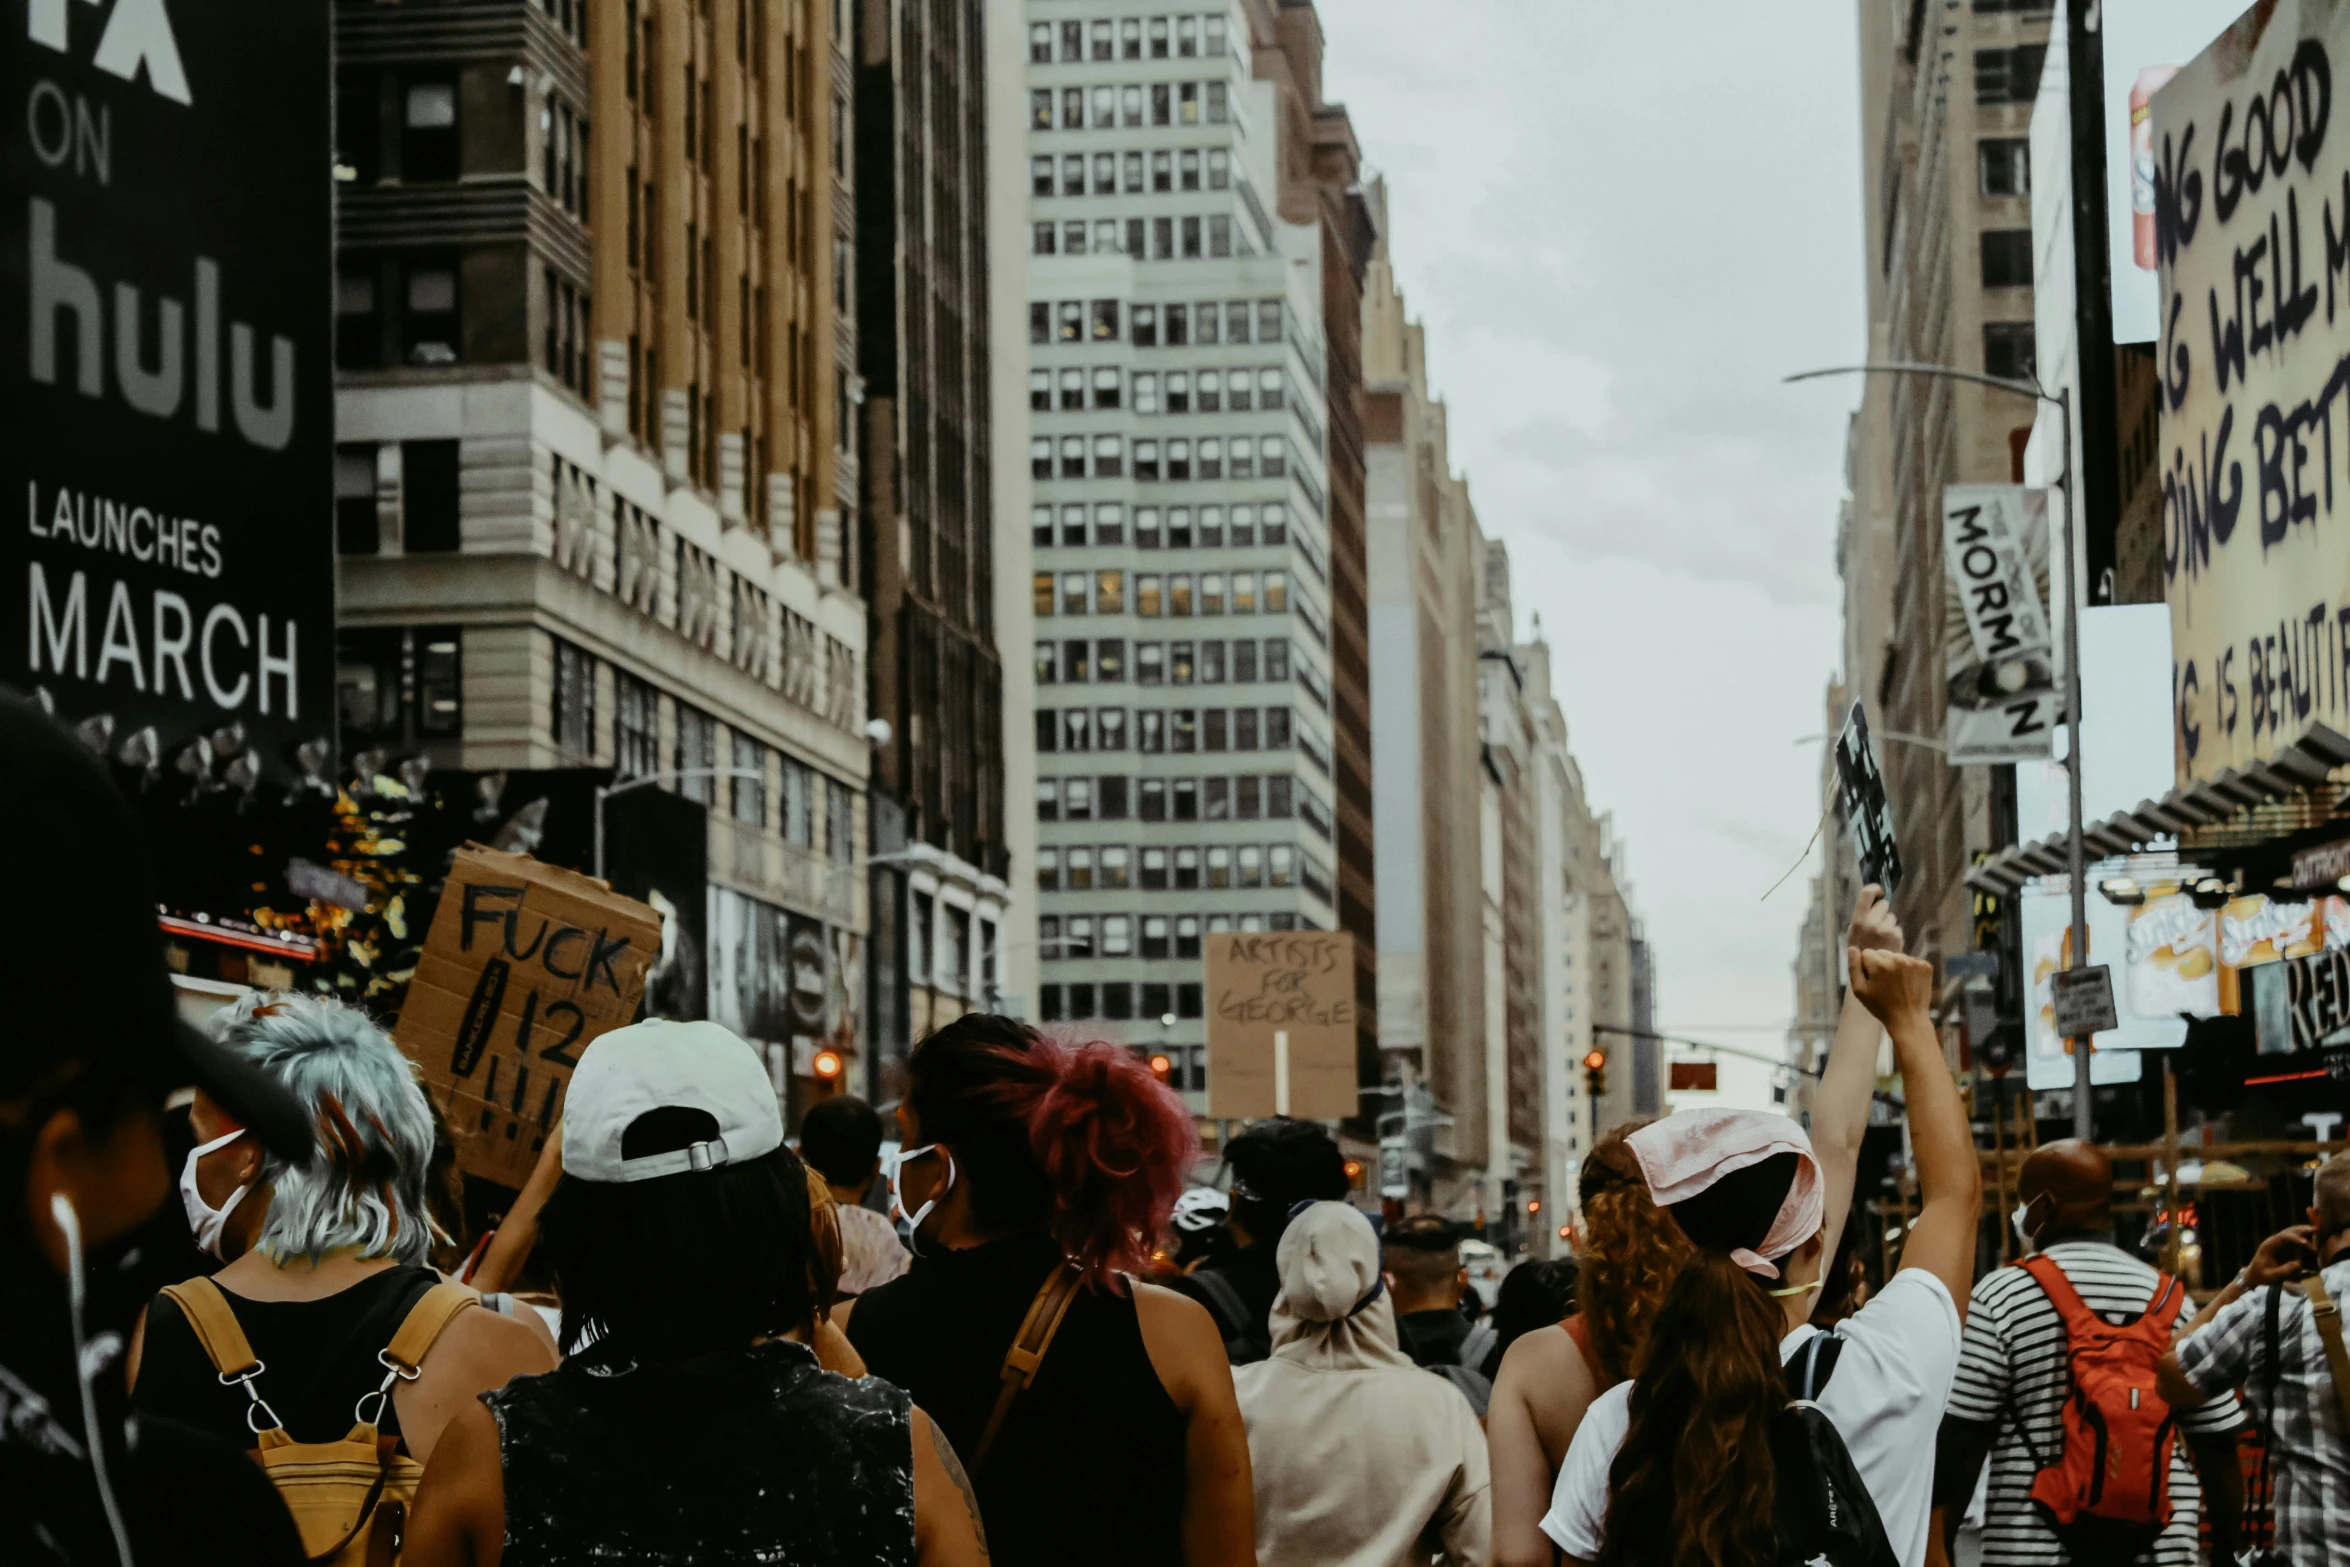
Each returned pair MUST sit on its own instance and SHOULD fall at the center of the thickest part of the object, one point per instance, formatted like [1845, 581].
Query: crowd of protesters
[1016, 1327]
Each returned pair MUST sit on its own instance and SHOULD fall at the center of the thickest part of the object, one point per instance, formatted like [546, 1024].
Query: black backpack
[1246, 1340]
[1823, 1513]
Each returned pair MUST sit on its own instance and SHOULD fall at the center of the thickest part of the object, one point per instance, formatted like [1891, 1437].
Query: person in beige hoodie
[1361, 1458]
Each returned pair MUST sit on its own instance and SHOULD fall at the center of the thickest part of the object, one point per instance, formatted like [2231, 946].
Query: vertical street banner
[2251, 198]
[1281, 1024]
[166, 253]
[526, 965]
[1998, 658]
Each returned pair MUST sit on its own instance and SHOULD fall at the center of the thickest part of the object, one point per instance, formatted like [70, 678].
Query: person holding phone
[2267, 1333]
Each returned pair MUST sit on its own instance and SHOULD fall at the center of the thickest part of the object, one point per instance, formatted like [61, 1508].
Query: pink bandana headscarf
[1685, 1154]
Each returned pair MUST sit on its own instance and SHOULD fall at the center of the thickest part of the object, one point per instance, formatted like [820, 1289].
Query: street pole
[2074, 855]
[2076, 870]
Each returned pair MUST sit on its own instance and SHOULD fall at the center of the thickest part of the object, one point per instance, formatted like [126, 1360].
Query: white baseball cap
[658, 1064]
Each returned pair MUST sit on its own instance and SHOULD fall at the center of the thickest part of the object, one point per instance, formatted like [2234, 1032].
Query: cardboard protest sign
[1861, 787]
[526, 963]
[1281, 1024]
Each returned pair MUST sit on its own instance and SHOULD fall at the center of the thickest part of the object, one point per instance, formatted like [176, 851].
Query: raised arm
[1898, 991]
[1840, 1110]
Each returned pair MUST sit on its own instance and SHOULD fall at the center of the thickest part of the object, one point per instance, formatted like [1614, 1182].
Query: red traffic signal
[828, 1065]
[1594, 1061]
[1161, 1067]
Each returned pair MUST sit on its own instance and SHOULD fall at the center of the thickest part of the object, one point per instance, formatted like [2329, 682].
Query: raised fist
[1892, 985]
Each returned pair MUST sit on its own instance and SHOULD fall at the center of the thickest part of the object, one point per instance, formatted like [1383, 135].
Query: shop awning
[2288, 793]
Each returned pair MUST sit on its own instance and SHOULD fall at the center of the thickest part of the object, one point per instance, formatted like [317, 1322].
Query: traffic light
[1595, 1073]
[1354, 1172]
[1162, 1067]
[828, 1066]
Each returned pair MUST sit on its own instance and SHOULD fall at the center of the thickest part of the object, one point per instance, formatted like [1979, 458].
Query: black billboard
[166, 244]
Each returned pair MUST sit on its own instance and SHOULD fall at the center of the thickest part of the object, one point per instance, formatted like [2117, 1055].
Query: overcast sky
[1621, 225]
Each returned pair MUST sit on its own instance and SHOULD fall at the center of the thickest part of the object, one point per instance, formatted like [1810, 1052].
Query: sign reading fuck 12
[166, 482]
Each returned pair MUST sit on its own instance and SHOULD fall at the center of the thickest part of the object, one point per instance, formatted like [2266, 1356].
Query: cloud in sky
[1622, 225]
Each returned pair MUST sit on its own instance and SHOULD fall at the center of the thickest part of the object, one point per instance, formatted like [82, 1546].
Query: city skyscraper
[1181, 392]
[589, 445]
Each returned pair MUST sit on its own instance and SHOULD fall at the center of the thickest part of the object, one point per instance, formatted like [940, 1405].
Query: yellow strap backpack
[349, 1498]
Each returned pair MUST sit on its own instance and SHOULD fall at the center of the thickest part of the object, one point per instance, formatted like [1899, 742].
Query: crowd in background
[1028, 1323]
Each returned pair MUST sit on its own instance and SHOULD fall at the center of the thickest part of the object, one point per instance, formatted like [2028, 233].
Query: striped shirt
[2012, 1373]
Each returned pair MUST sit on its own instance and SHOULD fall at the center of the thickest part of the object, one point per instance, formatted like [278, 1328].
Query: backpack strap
[1813, 1364]
[422, 1326]
[1027, 1351]
[2329, 1333]
[2059, 1289]
[206, 1311]
[2270, 1335]
[403, 1358]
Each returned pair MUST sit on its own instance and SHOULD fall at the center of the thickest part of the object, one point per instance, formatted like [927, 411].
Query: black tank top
[753, 1455]
[317, 1357]
[1089, 1467]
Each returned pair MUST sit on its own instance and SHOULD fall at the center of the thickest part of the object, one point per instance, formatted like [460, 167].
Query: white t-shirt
[1884, 1398]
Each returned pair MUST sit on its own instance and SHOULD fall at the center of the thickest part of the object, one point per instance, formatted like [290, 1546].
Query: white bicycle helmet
[1201, 1208]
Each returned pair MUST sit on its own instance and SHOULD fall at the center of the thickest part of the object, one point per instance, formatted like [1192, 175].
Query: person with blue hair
[329, 1254]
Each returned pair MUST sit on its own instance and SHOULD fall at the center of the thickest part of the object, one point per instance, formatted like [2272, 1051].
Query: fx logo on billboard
[138, 32]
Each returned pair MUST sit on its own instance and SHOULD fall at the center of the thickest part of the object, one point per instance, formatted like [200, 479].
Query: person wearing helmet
[1200, 1236]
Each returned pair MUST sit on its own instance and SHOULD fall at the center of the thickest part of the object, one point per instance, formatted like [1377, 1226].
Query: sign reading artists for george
[1998, 660]
[2251, 193]
[526, 964]
[1281, 1024]
[166, 236]
[1860, 787]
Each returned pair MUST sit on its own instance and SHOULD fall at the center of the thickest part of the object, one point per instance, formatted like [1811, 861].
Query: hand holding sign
[525, 965]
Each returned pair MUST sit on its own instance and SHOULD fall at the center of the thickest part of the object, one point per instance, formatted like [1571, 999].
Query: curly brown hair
[1629, 1249]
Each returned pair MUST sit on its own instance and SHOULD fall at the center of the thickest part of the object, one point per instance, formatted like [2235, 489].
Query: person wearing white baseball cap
[690, 1420]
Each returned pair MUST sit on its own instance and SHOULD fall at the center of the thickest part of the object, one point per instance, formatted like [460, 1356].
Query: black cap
[1424, 1232]
[90, 991]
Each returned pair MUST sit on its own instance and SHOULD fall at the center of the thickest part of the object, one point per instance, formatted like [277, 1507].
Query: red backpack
[2107, 1495]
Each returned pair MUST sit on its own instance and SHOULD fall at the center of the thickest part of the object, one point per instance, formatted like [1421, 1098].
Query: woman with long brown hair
[1681, 1466]
[1628, 1251]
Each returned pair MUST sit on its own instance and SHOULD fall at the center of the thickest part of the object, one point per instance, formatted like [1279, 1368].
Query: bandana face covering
[207, 1222]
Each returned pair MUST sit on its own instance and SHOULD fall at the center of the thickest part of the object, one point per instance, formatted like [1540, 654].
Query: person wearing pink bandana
[1741, 1411]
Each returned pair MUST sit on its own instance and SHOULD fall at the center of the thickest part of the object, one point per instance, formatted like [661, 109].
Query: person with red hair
[1095, 1412]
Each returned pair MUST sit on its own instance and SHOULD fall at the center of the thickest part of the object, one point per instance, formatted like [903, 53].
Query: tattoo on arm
[954, 1469]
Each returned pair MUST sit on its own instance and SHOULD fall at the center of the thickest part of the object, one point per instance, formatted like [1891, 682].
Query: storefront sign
[526, 965]
[167, 573]
[2251, 175]
[2317, 995]
[1999, 662]
[1281, 1024]
[2322, 866]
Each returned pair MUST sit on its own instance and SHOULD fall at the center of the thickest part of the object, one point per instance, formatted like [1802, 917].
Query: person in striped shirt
[2013, 1375]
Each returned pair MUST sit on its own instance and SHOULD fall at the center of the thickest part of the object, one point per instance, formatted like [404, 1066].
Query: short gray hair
[2332, 1197]
[364, 1183]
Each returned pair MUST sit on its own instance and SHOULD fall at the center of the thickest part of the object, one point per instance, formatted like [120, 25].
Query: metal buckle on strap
[258, 1405]
[383, 1394]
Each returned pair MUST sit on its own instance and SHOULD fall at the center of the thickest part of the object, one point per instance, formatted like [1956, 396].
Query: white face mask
[205, 1220]
[897, 1197]
[2023, 1231]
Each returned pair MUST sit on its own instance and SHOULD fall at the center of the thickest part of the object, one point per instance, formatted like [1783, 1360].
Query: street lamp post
[2061, 400]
